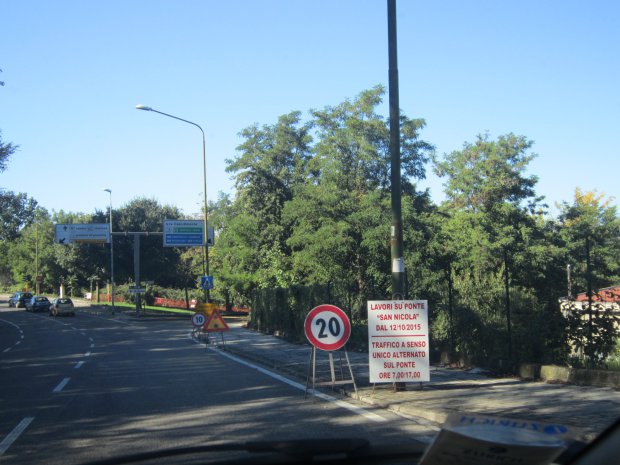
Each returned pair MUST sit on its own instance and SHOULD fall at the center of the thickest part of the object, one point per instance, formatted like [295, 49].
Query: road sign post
[328, 328]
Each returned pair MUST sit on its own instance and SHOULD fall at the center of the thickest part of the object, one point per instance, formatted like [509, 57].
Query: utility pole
[396, 232]
[590, 350]
[507, 302]
[396, 236]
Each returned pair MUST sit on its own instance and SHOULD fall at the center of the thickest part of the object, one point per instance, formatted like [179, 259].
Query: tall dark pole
[396, 238]
[136, 267]
[450, 306]
[205, 255]
[109, 191]
[396, 233]
[507, 291]
[590, 351]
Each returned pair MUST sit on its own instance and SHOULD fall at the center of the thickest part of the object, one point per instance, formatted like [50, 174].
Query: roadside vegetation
[311, 212]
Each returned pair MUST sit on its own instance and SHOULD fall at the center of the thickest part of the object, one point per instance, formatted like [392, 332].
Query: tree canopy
[312, 207]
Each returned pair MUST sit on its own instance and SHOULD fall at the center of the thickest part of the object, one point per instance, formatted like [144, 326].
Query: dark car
[19, 299]
[38, 303]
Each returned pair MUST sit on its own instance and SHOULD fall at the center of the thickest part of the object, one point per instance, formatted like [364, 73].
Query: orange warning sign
[215, 323]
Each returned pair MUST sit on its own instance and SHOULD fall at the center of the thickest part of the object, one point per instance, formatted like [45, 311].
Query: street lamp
[109, 191]
[205, 261]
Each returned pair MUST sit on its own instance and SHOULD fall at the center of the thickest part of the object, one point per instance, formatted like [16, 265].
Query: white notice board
[398, 341]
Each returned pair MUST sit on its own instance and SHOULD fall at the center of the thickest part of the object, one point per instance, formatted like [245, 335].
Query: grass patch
[151, 308]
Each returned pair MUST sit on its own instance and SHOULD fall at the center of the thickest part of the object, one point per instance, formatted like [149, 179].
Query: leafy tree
[235, 256]
[590, 231]
[6, 150]
[486, 174]
[76, 264]
[157, 263]
[494, 240]
[593, 219]
[16, 211]
[339, 218]
[312, 200]
[271, 162]
[33, 253]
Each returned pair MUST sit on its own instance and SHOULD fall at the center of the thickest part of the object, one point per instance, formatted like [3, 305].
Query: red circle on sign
[327, 327]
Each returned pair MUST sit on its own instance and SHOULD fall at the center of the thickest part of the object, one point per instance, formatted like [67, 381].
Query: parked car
[62, 306]
[38, 303]
[19, 299]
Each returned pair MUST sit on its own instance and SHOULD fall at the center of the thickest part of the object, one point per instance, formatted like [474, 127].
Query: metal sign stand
[333, 382]
[208, 340]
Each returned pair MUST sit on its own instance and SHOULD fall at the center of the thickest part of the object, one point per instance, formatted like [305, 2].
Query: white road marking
[12, 324]
[21, 334]
[346, 405]
[79, 364]
[13, 435]
[61, 385]
[87, 354]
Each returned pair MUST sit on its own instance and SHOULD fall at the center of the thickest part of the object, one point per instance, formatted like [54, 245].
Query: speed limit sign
[327, 327]
[199, 319]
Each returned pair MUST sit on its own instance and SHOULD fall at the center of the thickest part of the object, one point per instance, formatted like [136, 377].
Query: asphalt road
[75, 389]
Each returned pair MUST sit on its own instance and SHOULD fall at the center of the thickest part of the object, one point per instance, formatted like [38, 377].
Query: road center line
[61, 385]
[13, 435]
[353, 408]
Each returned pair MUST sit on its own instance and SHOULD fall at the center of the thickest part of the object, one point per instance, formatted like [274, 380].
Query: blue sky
[75, 70]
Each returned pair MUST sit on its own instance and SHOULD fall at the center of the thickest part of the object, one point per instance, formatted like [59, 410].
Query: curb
[363, 394]
[435, 416]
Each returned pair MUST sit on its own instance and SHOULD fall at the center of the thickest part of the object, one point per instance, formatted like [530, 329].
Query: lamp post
[109, 191]
[205, 262]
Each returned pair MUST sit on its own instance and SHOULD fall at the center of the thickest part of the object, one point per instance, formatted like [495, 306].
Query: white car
[62, 306]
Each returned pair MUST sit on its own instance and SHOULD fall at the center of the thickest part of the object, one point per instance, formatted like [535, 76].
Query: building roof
[606, 294]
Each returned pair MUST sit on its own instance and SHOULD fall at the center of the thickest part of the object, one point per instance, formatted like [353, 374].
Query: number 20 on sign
[327, 327]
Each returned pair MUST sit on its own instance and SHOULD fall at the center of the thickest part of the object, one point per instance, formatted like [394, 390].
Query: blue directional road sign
[183, 233]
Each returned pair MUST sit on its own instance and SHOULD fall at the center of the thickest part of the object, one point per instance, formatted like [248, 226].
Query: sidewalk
[450, 391]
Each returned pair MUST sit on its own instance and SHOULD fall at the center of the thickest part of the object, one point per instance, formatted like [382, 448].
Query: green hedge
[283, 311]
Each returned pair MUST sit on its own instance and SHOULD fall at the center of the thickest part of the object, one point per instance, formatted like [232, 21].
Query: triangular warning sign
[215, 323]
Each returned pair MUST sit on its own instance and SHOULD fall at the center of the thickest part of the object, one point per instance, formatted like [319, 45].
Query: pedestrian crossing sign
[215, 323]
